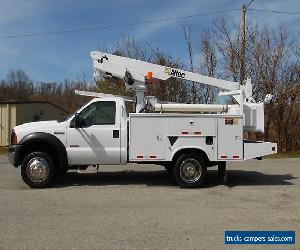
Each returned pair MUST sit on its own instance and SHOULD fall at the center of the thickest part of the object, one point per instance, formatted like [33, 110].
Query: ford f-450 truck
[185, 138]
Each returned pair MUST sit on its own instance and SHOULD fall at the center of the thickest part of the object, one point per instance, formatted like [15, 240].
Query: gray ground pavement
[139, 207]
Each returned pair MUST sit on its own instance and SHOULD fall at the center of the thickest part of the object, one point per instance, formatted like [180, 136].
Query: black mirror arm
[75, 123]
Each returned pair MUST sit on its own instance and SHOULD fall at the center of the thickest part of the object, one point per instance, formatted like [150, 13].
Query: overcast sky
[61, 56]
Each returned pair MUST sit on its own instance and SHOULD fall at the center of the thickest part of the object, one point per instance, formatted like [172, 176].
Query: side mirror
[77, 122]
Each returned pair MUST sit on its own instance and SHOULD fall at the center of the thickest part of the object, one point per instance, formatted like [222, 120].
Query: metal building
[14, 113]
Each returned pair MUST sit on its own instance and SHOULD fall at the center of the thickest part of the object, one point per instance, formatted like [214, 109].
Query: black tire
[222, 173]
[44, 169]
[62, 171]
[169, 169]
[190, 171]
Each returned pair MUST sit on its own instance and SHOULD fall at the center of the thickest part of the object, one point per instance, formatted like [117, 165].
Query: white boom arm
[107, 65]
[118, 65]
[136, 73]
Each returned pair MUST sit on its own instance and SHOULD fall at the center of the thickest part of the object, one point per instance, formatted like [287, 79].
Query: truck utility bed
[158, 136]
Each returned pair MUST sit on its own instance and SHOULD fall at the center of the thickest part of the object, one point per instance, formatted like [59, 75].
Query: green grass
[284, 155]
[3, 150]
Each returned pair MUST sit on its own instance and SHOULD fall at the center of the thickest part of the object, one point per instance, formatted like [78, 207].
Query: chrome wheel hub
[190, 170]
[37, 169]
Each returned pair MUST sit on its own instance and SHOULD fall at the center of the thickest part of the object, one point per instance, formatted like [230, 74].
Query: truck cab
[95, 134]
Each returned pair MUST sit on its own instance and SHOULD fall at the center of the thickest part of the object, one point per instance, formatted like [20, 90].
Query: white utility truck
[185, 138]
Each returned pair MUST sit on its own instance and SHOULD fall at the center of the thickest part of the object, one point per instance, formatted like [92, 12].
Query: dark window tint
[99, 113]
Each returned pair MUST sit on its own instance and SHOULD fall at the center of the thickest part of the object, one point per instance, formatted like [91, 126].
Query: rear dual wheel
[190, 171]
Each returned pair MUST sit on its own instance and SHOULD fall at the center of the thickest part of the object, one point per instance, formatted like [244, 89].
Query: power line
[275, 11]
[86, 29]
[249, 3]
[113, 26]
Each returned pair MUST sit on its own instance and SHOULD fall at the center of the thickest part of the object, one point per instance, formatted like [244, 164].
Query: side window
[99, 113]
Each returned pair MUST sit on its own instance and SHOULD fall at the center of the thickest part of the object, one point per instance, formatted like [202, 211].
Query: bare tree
[187, 32]
[21, 83]
[273, 65]
[272, 62]
[208, 66]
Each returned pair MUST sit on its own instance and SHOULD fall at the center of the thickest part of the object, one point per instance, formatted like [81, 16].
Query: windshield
[68, 116]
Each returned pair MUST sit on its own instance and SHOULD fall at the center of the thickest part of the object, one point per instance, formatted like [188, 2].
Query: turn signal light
[13, 138]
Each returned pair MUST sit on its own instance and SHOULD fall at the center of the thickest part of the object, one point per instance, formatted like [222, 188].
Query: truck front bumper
[13, 152]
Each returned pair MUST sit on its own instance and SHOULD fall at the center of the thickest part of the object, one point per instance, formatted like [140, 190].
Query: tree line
[272, 62]
[19, 87]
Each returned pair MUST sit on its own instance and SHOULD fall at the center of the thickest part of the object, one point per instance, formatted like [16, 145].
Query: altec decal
[174, 72]
[102, 58]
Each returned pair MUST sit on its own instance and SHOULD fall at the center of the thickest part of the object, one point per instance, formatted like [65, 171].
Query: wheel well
[39, 146]
[191, 151]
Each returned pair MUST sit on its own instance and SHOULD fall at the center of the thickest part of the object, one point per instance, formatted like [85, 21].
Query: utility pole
[243, 49]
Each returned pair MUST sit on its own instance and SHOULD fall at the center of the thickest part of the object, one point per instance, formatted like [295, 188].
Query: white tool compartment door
[230, 138]
[147, 138]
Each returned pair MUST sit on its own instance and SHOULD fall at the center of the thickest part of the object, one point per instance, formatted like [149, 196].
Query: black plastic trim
[209, 140]
[172, 139]
[44, 137]
[13, 153]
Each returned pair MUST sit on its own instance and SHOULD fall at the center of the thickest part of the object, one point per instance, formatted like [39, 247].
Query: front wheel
[37, 170]
[190, 171]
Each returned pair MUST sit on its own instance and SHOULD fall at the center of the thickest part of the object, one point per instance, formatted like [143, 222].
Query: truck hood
[36, 125]
[42, 126]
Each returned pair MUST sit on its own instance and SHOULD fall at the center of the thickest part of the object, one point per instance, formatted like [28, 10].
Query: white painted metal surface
[147, 138]
[117, 66]
[100, 95]
[230, 138]
[192, 107]
[152, 135]
[253, 149]
[95, 144]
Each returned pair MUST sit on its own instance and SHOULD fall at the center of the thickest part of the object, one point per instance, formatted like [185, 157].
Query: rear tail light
[13, 138]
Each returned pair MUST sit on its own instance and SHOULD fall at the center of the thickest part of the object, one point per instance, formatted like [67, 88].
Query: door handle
[116, 134]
